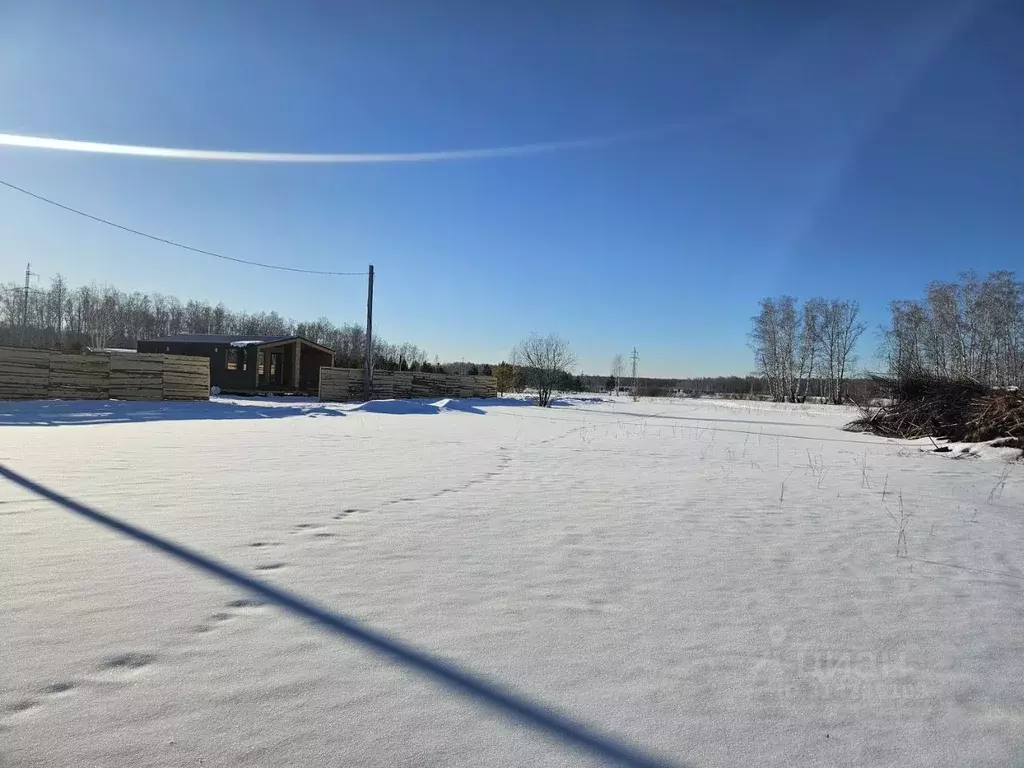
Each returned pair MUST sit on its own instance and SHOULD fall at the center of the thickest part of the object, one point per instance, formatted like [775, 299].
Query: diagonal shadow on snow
[51, 413]
[449, 676]
[431, 406]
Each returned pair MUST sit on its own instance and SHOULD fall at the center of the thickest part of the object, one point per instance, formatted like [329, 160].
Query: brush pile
[959, 410]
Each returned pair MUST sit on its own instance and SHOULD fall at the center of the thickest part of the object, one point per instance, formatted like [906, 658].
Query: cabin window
[259, 362]
[234, 356]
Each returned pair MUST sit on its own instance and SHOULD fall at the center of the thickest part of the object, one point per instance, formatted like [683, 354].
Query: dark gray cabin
[248, 365]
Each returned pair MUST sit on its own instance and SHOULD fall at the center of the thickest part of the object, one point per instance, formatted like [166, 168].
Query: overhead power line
[174, 243]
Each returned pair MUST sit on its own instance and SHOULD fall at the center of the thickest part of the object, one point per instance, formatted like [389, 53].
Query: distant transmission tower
[636, 359]
[29, 274]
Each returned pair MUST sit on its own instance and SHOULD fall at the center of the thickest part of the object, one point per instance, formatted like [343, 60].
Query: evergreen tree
[505, 376]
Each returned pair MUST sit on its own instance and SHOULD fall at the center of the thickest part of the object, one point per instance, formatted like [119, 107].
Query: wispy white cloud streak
[216, 155]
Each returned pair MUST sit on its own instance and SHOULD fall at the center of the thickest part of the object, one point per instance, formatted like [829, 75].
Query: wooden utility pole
[368, 354]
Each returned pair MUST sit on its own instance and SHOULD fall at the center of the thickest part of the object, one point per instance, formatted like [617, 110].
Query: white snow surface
[246, 342]
[714, 582]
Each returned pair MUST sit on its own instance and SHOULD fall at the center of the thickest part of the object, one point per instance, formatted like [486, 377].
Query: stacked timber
[186, 378]
[24, 373]
[79, 377]
[137, 376]
[485, 386]
[465, 386]
[38, 374]
[344, 384]
[383, 385]
[340, 384]
[356, 390]
[423, 384]
[402, 384]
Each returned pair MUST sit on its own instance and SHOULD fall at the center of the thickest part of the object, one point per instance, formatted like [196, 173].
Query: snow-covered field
[715, 582]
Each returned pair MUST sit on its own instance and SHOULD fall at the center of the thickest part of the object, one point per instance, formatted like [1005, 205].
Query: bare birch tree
[792, 345]
[812, 320]
[845, 330]
[776, 342]
[973, 328]
[764, 344]
[618, 368]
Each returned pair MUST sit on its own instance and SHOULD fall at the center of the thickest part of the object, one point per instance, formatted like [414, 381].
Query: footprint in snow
[247, 602]
[305, 528]
[21, 707]
[236, 609]
[56, 689]
[212, 621]
[128, 662]
[24, 706]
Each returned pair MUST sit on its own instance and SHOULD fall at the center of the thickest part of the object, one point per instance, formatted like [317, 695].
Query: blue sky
[856, 150]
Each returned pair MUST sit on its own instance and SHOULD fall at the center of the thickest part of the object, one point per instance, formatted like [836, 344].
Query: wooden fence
[40, 374]
[341, 384]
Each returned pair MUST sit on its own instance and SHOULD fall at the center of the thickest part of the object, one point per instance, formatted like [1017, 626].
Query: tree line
[62, 317]
[795, 345]
[969, 329]
[972, 328]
